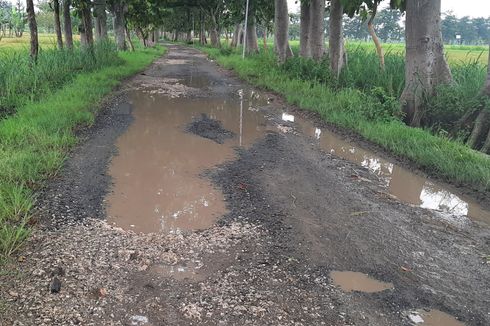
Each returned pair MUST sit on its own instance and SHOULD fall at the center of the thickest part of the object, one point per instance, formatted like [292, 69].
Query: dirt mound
[209, 128]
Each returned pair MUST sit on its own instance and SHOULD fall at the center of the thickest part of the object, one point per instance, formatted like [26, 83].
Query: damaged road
[196, 199]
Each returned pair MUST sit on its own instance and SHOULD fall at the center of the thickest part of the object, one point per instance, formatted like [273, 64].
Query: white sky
[472, 8]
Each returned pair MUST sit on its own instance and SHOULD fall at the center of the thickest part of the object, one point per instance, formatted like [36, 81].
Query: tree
[387, 25]
[486, 92]
[18, 19]
[67, 24]
[100, 20]
[31, 17]
[336, 38]
[316, 29]
[281, 24]
[425, 63]
[118, 9]
[305, 50]
[57, 23]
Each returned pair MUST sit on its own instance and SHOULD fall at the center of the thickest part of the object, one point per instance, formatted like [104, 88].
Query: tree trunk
[316, 28]
[57, 23]
[425, 64]
[128, 35]
[31, 17]
[100, 20]
[336, 38]
[213, 33]
[119, 25]
[480, 129]
[236, 36]
[67, 24]
[202, 30]
[281, 24]
[87, 37]
[304, 30]
[265, 40]
[252, 46]
[486, 89]
[377, 43]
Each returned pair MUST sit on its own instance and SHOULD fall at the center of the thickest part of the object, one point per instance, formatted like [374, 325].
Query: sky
[472, 8]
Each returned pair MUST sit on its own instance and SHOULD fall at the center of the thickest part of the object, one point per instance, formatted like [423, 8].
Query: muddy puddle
[400, 182]
[157, 185]
[433, 318]
[355, 281]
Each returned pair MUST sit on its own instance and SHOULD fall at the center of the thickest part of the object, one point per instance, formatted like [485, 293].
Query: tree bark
[281, 35]
[213, 33]
[100, 20]
[86, 36]
[425, 64]
[479, 129]
[236, 35]
[304, 29]
[316, 29]
[31, 17]
[119, 25]
[67, 24]
[336, 38]
[377, 43]
[252, 46]
[128, 36]
[486, 89]
[57, 23]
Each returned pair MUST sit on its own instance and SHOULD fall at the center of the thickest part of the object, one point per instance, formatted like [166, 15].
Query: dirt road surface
[196, 199]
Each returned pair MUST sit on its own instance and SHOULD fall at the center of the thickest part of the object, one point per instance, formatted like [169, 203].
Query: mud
[355, 281]
[434, 318]
[210, 129]
[293, 212]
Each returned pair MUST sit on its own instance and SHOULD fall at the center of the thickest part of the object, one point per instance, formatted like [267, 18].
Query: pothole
[433, 318]
[354, 281]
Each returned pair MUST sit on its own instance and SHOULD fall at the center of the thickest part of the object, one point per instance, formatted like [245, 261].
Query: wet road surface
[281, 222]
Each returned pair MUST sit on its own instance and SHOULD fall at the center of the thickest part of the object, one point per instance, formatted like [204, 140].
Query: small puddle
[433, 318]
[355, 281]
[181, 272]
[400, 182]
[156, 174]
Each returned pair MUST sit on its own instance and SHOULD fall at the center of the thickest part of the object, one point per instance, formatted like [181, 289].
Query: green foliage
[22, 82]
[454, 100]
[34, 141]
[370, 111]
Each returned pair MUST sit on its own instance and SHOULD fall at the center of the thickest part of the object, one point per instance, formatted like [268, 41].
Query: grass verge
[357, 110]
[35, 140]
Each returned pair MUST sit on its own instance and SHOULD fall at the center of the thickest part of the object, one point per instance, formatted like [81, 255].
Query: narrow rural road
[197, 199]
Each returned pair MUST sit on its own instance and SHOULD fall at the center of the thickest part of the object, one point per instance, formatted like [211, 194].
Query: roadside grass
[22, 82]
[34, 140]
[370, 112]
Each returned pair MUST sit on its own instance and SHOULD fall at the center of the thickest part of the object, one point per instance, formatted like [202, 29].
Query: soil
[210, 129]
[295, 214]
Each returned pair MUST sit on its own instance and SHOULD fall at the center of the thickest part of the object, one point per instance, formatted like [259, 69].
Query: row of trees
[12, 19]
[470, 30]
[425, 63]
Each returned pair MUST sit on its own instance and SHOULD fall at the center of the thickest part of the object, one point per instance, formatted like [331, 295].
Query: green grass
[34, 141]
[368, 109]
[455, 53]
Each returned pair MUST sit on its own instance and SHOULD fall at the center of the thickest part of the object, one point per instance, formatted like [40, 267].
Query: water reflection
[400, 182]
[157, 187]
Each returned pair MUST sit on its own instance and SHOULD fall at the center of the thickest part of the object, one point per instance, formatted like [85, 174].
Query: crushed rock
[97, 260]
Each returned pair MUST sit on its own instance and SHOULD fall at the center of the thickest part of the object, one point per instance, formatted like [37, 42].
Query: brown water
[156, 174]
[400, 182]
[354, 281]
[434, 318]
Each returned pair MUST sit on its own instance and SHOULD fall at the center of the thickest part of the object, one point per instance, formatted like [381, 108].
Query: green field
[46, 41]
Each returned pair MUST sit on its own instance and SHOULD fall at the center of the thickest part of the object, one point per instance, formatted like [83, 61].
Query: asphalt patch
[209, 128]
